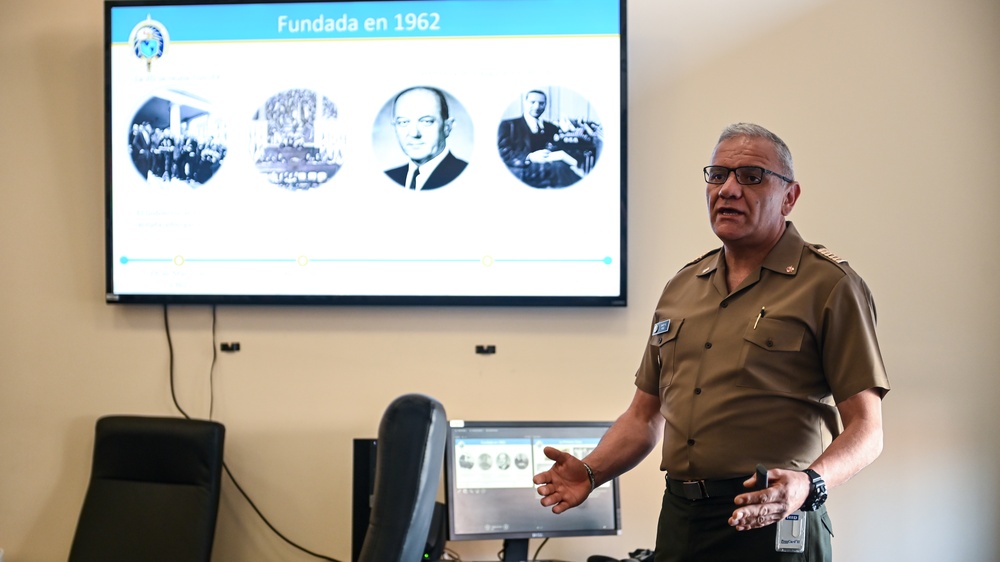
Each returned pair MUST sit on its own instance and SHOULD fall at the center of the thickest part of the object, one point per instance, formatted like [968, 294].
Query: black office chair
[153, 492]
[411, 441]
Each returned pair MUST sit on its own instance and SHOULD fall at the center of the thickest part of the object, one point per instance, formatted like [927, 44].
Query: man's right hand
[565, 485]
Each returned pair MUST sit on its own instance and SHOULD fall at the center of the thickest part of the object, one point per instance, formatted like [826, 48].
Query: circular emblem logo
[149, 41]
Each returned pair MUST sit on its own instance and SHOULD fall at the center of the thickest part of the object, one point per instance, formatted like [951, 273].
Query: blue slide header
[356, 20]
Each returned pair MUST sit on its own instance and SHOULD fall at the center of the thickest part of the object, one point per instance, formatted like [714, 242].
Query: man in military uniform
[758, 351]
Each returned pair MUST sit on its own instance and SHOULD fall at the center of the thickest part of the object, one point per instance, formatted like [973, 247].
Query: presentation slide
[453, 148]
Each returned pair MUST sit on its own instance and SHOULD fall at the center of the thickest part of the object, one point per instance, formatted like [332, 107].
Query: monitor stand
[515, 550]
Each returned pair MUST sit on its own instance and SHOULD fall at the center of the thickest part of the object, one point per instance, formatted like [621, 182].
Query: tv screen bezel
[489, 300]
[450, 481]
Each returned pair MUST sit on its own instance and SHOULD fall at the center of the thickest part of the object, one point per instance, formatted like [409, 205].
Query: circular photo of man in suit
[423, 136]
[550, 137]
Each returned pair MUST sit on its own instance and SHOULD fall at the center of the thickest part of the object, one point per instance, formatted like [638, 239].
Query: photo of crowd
[175, 139]
[296, 140]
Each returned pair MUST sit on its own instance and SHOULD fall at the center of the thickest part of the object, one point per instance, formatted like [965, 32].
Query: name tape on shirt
[661, 327]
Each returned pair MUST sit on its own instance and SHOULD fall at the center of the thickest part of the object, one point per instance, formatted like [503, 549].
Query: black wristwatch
[817, 491]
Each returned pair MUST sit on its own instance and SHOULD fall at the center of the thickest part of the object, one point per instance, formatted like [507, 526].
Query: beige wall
[890, 107]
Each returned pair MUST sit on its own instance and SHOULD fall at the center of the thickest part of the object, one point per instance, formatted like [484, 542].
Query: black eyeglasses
[745, 175]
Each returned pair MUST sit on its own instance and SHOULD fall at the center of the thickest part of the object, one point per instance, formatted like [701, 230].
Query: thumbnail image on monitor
[489, 491]
[365, 152]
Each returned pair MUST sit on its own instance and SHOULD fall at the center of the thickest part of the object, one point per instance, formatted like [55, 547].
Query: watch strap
[817, 491]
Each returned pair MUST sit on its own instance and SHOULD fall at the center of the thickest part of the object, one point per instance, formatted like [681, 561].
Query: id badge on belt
[791, 533]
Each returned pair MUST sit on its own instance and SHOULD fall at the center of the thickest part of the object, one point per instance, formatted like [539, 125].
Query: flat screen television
[489, 491]
[366, 152]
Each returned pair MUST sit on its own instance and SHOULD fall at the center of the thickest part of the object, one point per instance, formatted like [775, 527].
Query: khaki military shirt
[753, 376]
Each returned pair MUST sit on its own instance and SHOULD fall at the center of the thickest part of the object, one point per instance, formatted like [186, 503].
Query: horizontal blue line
[347, 260]
[235, 260]
[549, 261]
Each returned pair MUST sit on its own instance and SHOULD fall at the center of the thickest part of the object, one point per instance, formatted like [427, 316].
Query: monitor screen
[489, 490]
[365, 152]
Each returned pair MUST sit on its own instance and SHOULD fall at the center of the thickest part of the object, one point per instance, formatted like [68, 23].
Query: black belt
[702, 489]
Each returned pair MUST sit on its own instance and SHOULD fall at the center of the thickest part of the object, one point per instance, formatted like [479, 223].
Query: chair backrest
[410, 454]
[153, 492]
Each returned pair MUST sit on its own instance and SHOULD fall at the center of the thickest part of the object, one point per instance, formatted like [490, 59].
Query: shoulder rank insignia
[703, 256]
[828, 254]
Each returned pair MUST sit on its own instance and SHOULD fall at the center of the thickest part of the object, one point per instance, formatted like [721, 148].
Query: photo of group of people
[174, 138]
[548, 138]
[296, 140]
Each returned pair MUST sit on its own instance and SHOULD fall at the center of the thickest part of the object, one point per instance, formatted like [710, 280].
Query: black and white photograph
[550, 137]
[423, 135]
[296, 140]
[175, 138]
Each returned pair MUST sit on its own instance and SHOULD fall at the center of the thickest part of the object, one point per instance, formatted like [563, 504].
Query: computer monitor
[489, 467]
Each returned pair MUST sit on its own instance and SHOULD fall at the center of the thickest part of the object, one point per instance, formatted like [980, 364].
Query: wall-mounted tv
[467, 152]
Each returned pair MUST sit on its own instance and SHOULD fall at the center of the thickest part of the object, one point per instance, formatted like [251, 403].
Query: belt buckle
[694, 490]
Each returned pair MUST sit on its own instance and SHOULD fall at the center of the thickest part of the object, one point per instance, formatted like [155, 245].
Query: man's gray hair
[756, 131]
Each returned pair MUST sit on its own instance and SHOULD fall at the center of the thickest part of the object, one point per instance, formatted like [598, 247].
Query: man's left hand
[787, 492]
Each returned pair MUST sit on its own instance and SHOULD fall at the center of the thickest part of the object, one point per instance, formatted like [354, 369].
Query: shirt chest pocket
[665, 347]
[770, 356]
[775, 335]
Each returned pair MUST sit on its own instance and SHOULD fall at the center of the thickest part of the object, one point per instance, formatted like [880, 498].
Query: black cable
[539, 549]
[268, 523]
[170, 346]
[211, 370]
[173, 394]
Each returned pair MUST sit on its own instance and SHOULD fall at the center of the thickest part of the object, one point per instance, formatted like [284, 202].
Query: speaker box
[363, 490]
[361, 502]
[438, 534]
